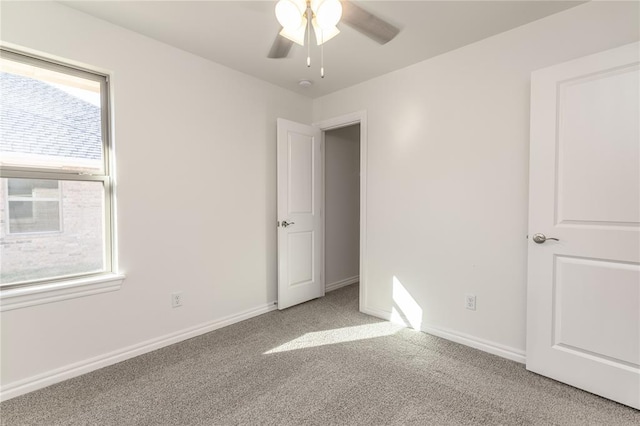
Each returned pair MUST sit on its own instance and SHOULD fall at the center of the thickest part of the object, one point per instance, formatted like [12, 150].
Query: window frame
[105, 176]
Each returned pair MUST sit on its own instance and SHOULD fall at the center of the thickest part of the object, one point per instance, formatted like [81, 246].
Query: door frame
[358, 117]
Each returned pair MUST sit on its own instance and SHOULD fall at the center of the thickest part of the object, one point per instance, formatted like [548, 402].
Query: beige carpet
[320, 363]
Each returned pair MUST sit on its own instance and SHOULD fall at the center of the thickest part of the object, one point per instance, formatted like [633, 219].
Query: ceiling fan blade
[367, 23]
[280, 48]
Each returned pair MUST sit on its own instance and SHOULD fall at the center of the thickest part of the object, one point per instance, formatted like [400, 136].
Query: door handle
[541, 238]
[285, 223]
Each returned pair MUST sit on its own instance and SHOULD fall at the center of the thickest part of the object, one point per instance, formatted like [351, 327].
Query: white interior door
[583, 295]
[299, 213]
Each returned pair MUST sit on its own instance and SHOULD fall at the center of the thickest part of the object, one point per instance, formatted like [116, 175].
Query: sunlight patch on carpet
[338, 335]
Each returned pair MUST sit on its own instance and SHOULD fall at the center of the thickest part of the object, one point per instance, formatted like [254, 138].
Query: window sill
[22, 297]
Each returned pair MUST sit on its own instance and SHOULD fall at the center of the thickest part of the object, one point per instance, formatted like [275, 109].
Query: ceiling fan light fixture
[298, 16]
[296, 35]
[327, 12]
[290, 13]
[324, 34]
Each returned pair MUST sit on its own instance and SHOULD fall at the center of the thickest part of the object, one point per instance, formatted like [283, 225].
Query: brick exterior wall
[77, 248]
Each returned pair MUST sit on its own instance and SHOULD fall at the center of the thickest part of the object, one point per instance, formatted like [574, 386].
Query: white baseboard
[342, 283]
[375, 312]
[475, 342]
[39, 381]
[465, 339]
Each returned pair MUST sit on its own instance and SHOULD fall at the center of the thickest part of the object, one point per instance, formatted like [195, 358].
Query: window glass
[49, 119]
[51, 237]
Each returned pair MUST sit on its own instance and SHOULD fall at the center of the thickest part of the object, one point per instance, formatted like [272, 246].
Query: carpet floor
[319, 363]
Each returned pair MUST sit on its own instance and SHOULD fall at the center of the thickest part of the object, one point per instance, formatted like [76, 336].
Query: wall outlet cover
[176, 299]
[470, 301]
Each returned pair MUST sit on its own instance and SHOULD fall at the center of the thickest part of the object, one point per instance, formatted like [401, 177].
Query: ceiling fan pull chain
[322, 54]
[309, 19]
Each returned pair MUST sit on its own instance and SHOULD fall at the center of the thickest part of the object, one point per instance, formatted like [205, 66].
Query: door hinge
[278, 226]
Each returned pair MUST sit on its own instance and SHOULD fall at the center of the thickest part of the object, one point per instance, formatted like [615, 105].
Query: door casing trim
[358, 117]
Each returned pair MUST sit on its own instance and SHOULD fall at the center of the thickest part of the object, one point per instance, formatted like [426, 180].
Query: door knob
[541, 238]
[285, 223]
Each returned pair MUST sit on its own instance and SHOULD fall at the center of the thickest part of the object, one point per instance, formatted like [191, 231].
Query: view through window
[55, 188]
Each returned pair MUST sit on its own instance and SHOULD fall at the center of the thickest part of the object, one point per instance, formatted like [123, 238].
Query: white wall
[448, 173]
[342, 206]
[195, 145]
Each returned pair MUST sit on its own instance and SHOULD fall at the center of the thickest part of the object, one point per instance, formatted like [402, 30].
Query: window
[55, 183]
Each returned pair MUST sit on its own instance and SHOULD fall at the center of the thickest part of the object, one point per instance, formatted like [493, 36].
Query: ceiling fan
[306, 14]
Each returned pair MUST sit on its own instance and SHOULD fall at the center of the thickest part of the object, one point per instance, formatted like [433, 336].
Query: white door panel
[299, 202]
[588, 290]
[583, 294]
[300, 246]
[594, 109]
[300, 177]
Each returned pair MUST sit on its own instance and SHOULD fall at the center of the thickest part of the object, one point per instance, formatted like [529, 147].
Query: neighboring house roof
[40, 119]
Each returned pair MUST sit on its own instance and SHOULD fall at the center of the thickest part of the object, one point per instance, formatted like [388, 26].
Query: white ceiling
[239, 34]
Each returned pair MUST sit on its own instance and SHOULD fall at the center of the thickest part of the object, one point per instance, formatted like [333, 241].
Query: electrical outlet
[176, 299]
[470, 301]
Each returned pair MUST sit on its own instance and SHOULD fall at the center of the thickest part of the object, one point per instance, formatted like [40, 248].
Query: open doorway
[342, 206]
[300, 208]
